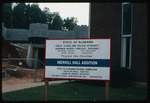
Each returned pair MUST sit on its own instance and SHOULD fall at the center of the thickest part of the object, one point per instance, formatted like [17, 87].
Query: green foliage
[6, 14]
[69, 23]
[24, 14]
[46, 16]
[57, 22]
[75, 91]
[20, 16]
[35, 13]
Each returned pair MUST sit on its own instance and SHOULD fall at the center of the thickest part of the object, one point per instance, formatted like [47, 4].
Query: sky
[78, 10]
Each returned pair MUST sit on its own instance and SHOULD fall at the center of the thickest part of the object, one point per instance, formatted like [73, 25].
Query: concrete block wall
[41, 30]
[17, 34]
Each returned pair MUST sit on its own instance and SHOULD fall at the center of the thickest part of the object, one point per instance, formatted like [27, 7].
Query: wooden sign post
[46, 89]
[107, 91]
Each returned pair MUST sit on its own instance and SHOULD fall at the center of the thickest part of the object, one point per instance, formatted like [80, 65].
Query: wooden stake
[46, 89]
[107, 91]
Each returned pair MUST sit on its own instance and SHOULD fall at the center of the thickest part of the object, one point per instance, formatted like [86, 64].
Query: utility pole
[11, 29]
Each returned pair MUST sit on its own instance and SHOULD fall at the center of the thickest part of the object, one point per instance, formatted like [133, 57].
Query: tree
[25, 14]
[6, 14]
[46, 16]
[70, 23]
[35, 13]
[56, 22]
[19, 16]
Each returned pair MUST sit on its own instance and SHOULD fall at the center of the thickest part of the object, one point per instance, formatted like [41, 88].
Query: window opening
[126, 35]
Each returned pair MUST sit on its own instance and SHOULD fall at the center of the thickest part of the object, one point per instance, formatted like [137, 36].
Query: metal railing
[12, 66]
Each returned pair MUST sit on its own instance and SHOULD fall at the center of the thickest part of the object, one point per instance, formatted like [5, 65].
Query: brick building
[126, 24]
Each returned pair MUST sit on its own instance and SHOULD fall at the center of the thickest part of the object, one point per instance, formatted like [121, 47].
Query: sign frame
[87, 59]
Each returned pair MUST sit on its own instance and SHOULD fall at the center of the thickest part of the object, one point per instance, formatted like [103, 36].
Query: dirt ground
[16, 81]
[26, 75]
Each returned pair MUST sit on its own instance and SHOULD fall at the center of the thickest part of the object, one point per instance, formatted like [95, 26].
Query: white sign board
[79, 59]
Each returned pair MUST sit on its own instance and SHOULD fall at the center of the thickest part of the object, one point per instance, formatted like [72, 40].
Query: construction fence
[18, 68]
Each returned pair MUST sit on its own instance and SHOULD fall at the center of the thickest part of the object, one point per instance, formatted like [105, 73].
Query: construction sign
[78, 59]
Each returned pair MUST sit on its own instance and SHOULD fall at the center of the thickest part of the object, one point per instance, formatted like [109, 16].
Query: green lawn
[75, 91]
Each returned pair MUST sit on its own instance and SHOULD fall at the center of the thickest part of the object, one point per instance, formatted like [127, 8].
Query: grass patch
[76, 91]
